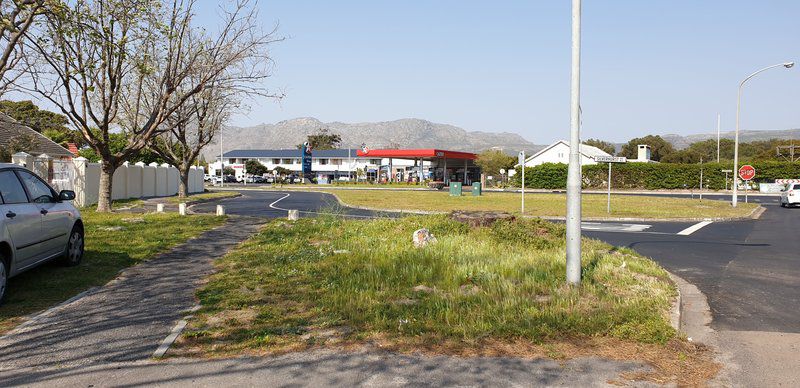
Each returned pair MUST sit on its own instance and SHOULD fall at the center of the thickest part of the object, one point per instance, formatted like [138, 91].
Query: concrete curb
[693, 312]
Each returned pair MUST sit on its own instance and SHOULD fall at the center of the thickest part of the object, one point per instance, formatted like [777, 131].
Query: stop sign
[747, 172]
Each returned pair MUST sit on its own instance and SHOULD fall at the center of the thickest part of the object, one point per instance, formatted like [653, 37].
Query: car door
[56, 218]
[21, 219]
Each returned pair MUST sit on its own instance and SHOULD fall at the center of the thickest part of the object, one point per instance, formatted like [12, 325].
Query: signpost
[522, 164]
[747, 173]
[610, 160]
[726, 177]
[306, 158]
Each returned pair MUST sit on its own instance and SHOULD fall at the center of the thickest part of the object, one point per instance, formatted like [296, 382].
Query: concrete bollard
[294, 215]
[220, 210]
[182, 209]
[160, 208]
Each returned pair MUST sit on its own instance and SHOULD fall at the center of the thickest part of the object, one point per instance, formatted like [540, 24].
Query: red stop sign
[747, 172]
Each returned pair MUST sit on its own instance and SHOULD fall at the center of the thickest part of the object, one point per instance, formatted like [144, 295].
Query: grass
[107, 252]
[545, 205]
[203, 196]
[496, 290]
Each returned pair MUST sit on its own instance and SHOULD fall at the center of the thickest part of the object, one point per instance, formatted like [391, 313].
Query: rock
[406, 302]
[476, 219]
[423, 288]
[422, 237]
[340, 251]
[112, 228]
[136, 220]
[543, 298]
[469, 289]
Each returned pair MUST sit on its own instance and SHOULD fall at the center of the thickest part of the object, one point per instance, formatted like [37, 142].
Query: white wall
[559, 153]
[130, 181]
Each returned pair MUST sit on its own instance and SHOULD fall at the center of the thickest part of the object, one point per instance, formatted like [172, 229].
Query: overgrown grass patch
[113, 241]
[295, 285]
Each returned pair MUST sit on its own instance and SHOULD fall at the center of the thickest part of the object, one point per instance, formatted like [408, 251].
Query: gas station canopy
[425, 153]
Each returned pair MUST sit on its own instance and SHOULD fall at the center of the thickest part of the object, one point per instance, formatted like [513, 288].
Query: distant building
[558, 152]
[342, 164]
[642, 155]
[11, 129]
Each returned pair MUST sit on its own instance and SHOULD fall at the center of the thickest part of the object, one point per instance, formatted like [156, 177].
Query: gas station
[429, 163]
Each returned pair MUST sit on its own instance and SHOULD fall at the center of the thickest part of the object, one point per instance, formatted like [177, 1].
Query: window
[797, 186]
[376, 162]
[286, 161]
[10, 188]
[276, 161]
[336, 162]
[39, 191]
[323, 161]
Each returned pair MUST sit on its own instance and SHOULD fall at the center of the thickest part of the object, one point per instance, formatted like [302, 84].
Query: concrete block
[160, 208]
[182, 209]
[220, 210]
[294, 215]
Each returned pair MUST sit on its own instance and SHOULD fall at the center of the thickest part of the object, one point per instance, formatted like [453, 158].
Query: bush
[653, 176]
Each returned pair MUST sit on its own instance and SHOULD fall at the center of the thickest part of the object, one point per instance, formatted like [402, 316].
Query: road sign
[726, 171]
[610, 159]
[306, 160]
[747, 172]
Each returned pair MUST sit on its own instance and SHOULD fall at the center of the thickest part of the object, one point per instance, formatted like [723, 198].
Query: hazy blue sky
[648, 66]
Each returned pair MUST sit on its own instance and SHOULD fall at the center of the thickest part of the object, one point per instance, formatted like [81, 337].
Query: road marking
[272, 205]
[694, 228]
[614, 227]
[167, 342]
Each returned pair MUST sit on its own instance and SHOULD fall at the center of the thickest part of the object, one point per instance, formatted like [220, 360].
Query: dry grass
[545, 205]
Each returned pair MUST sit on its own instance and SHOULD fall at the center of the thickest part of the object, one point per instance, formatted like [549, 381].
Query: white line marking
[693, 228]
[167, 342]
[272, 206]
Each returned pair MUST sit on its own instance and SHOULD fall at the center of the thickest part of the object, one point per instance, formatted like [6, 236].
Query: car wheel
[3, 278]
[73, 253]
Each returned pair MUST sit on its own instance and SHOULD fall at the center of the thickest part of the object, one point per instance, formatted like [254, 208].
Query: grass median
[207, 196]
[546, 205]
[113, 241]
[496, 290]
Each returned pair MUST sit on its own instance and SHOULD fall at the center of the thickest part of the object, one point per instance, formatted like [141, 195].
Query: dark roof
[294, 153]
[10, 128]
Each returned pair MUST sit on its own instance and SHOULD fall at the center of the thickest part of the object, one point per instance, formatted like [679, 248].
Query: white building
[558, 152]
[327, 165]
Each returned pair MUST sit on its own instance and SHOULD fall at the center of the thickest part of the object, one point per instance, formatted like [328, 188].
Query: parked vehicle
[790, 196]
[37, 224]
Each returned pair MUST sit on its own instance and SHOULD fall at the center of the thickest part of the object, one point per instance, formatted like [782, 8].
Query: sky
[504, 66]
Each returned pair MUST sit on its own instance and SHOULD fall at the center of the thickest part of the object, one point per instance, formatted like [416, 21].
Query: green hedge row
[653, 176]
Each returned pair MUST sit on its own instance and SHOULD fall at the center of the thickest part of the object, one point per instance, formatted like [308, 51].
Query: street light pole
[735, 198]
[574, 173]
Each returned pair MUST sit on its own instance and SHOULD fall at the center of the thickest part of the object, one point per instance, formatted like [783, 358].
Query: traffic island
[496, 290]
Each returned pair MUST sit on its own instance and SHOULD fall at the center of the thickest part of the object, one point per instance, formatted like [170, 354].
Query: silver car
[36, 224]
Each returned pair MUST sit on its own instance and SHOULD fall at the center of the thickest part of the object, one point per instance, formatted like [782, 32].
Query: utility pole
[718, 122]
[701, 179]
[522, 165]
[574, 173]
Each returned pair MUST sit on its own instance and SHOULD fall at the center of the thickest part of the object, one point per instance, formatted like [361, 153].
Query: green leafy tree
[323, 139]
[603, 145]
[255, 167]
[659, 147]
[491, 161]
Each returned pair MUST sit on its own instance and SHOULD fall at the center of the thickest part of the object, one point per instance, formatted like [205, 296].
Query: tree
[50, 124]
[659, 147]
[603, 145]
[323, 139]
[122, 66]
[17, 17]
[255, 167]
[240, 52]
[24, 142]
[492, 160]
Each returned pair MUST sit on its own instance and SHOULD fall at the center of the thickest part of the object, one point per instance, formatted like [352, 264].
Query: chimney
[644, 153]
[73, 148]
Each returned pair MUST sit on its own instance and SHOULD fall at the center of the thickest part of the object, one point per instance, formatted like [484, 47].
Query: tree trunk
[183, 185]
[106, 177]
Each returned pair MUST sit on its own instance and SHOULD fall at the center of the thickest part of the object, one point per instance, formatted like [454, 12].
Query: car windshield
[797, 186]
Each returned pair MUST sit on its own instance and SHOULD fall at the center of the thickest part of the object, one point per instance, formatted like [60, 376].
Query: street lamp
[735, 198]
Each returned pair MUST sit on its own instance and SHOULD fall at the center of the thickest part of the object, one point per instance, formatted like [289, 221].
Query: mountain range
[418, 133]
[403, 133]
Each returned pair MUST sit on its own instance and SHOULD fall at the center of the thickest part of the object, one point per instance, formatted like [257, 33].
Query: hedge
[653, 176]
